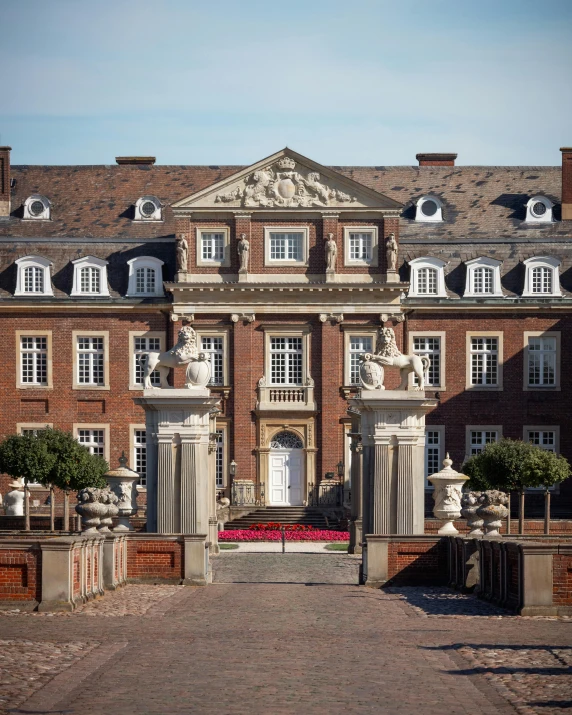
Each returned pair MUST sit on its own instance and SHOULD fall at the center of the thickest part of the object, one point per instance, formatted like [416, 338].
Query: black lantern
[341, 468]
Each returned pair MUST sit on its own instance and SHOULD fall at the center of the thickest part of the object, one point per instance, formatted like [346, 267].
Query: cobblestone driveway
[302, 642]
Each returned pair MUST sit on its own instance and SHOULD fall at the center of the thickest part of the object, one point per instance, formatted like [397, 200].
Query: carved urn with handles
[447, 496]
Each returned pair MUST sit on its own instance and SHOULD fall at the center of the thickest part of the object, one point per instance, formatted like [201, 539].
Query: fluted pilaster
[405, 489]
[189, 477]
[165, 488]
[381, 490]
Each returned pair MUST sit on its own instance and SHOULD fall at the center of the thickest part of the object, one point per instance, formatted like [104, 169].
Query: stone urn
[470, 503]
[110, 500]
[447, 496]
[198, 372]
[122, 483]
[14, 500]
[493, 510]
[91, 509]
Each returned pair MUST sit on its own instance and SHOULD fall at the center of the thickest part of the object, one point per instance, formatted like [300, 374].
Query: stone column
[356, 518]
[189, 478]
[165, 486]
[406, 492]
[380, 502]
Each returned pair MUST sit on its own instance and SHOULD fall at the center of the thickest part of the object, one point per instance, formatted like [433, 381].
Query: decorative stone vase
[110, 500]
[198, 372]
[122, 484]
[91, 509]
[493, 510]
[447, 496]
[470, 503]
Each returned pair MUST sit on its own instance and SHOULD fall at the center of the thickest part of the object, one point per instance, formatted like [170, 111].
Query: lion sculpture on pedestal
[388, 354]
[185, 352]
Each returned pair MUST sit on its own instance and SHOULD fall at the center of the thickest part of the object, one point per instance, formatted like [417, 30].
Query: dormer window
[427, 278]
[148, 208]
[90, 277]
[483, 278]
[541, 278]
[37, 208]
[145, 277]
[33, 276]
[429, 209]
[539, 210]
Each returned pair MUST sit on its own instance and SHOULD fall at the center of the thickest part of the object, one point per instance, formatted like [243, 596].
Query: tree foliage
[23, 456]
[513, 465]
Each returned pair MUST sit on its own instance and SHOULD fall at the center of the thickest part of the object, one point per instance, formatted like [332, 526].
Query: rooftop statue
[185, 352]
[388, 354]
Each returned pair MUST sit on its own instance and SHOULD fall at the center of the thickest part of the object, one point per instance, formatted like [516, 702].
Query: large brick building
[102, 263]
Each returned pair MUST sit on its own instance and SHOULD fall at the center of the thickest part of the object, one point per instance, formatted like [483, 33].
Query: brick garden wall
[20, 573]
[154, 560]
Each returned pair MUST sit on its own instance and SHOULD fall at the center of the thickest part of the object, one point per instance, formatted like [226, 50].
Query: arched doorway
[286, 470]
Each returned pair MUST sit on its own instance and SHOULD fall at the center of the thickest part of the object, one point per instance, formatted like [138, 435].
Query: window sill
[34, 387]
[542, 388]
[91, 387]
[286, 264]
[483, 388]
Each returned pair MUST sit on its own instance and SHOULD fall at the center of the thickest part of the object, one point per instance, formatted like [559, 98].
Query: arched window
[427, 278]
[148, 208]
[429, 209]
[37, 208]
[33, 276]
[286, 440]
[539, 210]
[90, 277]
[541, 278]
[145, 277]
[483, 278]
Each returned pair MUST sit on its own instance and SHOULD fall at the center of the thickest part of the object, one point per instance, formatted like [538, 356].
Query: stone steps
[285, 515]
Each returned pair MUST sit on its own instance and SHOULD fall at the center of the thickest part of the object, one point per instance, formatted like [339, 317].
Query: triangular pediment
[287, 180]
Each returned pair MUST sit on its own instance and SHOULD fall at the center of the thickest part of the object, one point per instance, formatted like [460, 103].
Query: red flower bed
[311, 535]
[276, 526]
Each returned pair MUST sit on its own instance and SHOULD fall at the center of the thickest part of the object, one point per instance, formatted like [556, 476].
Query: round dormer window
[538, 209]
[37, 208]
[148, 208]
[429, 207]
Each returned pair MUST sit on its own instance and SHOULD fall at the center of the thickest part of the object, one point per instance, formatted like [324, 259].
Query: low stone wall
[418, 560]
[532, 527]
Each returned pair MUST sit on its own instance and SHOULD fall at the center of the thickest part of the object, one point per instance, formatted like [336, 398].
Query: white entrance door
[286, 477]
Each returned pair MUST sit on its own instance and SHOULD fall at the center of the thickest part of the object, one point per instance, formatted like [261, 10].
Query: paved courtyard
[288, 633]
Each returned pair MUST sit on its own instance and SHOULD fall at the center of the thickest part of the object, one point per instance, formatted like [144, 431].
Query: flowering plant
[306, 535]
[276, 526]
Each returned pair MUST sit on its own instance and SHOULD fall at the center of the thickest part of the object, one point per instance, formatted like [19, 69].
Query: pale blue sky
[231, 81]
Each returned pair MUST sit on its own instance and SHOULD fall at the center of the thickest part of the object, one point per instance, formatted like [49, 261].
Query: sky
[345, 82]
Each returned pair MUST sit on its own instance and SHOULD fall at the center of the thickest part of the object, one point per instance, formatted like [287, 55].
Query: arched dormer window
[90, 277]
[148, 208]
[427, 278]
[145, 278]
[33, 277]
[37, 208]
[541, 278]
[539, 210]
[429, 208]
[483, 278]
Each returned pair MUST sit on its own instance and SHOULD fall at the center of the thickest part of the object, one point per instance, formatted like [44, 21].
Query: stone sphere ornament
[447, 496]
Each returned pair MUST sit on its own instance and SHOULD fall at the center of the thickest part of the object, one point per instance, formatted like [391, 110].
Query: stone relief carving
[245, 317]
[391, 252]
[185, 352]
[388, 354]
[182, 253]
[281, 185]
[335, 317]
[243, 249]
[331, 253]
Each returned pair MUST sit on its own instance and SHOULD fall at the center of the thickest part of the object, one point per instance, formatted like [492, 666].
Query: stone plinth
[179, 492]
[392, 484]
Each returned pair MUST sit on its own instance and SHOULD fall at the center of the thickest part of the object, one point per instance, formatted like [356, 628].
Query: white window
[546, 439]
[143, 345]
[541, 277]
[542, 361]
[212, 246]
[148, 208]
[360, 245]
[90, 277]
[479, 438]
[358, 345]
[93, 439]
[286, 246]
[484, 361]
[434, 451]
[34, 360]
[483, 278]
[213, 345]
[90, 360]
[37, 208]
[145, 277]
[539, 210]
[33, 276]
[286, 361]
[427, 278]
[430, 346]
[429, 209]
[219, 460]
[140, 455]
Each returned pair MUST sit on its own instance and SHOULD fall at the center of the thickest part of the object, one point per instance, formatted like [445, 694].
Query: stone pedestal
[392, 426]
[178, 465]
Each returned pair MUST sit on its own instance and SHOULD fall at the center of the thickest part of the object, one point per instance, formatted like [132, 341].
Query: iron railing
[247, 494]
[326, 494]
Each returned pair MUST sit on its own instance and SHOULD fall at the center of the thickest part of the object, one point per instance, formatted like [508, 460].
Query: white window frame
[441, 334]
[285, 332]
[89, 262]
[77, 426]
[546, 217]
[427, 262]
[420, 216]
[133, 445]
[224, 428]
[348, 335]
[44, 216]
[541, 334]
[304, 230]
[90, 334]
[225, 230]
[161, 335]
[374, 233]
[148, 262]
[500, 360]
[483, 262]
[441, 446]
[33, 262]
[549, 262]
[216, 333]
[156, 216]
[479, 428]
[36, 334]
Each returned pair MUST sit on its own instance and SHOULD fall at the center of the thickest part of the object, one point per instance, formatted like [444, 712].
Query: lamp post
[341, 468]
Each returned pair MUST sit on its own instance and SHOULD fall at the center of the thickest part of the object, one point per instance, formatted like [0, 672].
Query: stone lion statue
[185, 352]
[388, 354]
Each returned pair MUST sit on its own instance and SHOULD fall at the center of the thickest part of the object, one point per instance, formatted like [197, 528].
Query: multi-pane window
[431, 347]
[90, 361]
[140, 454]
[33, 360]
[33, 279]
[543, 438]
[360, 246]
[90, 279]
[359, 344]
[427, 281]
[213, 346]
[541, 280]
[485, 361]
[541, 361]
[143, 346]
[432, 451]
[286, 246]
[93, 439]
[219, 459]
[480, 439]
[483, 280]
[212, 246]
[286, 361]
[145, 280]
